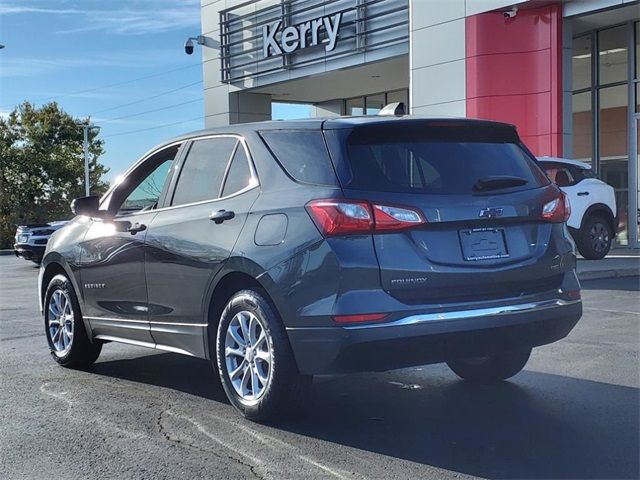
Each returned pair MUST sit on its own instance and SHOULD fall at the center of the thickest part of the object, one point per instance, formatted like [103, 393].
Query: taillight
[344, 217]
[336, 217]
[388, 217]
[558, 209]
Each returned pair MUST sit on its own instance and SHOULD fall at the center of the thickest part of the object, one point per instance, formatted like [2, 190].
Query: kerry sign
[276, 41]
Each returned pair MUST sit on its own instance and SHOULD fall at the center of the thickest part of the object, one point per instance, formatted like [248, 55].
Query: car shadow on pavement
[538, 425]
[628, 284]
[169, 370]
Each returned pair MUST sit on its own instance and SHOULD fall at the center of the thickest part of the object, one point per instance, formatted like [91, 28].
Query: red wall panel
[514, 73]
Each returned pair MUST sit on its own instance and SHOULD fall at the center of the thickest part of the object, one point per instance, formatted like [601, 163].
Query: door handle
[136, 227]
[221, 215]
[582, 194]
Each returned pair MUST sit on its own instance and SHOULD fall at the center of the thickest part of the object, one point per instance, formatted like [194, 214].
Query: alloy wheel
[60, 322]
[599, 237]
[247, 355]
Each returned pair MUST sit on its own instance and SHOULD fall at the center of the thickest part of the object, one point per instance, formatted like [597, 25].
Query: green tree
[42, 166]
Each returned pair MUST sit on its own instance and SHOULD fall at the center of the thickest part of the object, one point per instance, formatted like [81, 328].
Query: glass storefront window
[582, 127]
[614, 153]
[399, 96]
[375, 103]
[612, 58]
[581, 62]
[637, 140]
[637, 50]
[355, 106]
[372, 104]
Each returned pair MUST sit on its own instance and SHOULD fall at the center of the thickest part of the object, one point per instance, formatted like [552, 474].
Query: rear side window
[303, 155]
[559, 174]
[203, 170]
[414, 161]
[580, 174]
[239, 175]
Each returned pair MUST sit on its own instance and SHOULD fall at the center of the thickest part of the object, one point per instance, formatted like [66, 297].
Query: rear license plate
[483, 244]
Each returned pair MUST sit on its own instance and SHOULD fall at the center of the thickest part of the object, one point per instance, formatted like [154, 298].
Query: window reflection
[612, 44]
[614, 154]
[375, 103]
[355, 106]
[581, 62]
[582, 127]
[372, 104]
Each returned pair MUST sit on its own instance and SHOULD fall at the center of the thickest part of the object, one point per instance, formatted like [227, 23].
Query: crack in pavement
[167, 436]
[66, 398]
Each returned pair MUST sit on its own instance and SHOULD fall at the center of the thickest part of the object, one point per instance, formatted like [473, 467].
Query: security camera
[188, 47]
[510, 13]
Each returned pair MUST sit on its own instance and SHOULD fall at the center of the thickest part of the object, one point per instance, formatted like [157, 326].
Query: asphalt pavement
[572, 413]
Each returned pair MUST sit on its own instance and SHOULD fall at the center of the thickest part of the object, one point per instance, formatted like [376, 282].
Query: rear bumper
[420, 339]
[28, 252]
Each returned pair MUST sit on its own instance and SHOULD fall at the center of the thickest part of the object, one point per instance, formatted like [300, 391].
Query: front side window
[203, 170]
[142, 189]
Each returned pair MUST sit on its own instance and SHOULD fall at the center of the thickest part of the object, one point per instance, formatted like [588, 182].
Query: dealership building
[566, 73]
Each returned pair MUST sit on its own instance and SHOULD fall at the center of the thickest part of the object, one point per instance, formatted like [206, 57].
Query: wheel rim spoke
[255, 386]
[264, 356]
[262, 374]
[244, 327]
[234, 332]
[234, 374]
[234, 351]
[254, 326]
[261, 339]
[244, 385]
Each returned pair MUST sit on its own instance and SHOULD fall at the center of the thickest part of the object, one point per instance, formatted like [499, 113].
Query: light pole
[85, 147]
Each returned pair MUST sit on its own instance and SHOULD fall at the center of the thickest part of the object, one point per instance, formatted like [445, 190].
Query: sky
[121, 62]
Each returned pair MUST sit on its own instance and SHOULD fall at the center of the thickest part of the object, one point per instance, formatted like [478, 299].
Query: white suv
[593, 221]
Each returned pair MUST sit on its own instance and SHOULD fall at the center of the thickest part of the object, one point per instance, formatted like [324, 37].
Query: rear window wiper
[498, 182]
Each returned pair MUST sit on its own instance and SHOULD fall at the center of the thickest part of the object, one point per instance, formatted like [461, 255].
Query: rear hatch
[479, 195]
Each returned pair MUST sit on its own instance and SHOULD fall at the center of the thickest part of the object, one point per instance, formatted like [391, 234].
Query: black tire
[80, 352]
[285, 389]
[491, 369]
[594, 237]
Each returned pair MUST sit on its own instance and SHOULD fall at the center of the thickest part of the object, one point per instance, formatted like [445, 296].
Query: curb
[614, 273]
[7, 252]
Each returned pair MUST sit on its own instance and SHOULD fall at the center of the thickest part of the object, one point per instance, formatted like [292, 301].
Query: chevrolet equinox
[281, 250]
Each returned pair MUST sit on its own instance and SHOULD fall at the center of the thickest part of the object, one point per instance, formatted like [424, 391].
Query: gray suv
[281, 250]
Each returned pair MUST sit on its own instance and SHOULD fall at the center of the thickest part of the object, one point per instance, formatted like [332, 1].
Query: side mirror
[86, 206]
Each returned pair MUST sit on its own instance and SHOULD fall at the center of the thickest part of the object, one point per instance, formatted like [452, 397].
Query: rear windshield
[415, 160]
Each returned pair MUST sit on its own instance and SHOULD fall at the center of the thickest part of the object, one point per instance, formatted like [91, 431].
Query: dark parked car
[31, 239]
[280, 250]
